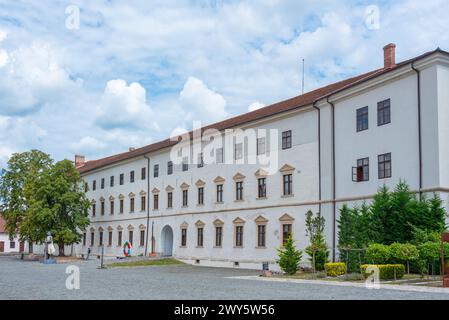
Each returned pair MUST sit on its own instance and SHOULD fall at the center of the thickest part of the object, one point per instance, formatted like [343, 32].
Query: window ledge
[240, 247]
[199, 247]
[261, 247]
[184, 207]
[218, 247]
[219, 202]
[182, 247]
[239, 201]
[263, 198]
[200, 205]
[287, 196]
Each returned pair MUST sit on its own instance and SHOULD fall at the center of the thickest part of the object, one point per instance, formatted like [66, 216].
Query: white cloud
[255, 106]
[202, 103]
[88, 145]
[125, 106]
[31, 77]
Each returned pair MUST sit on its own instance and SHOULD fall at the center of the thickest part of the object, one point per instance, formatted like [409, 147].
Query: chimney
[389, 56]
[79, 160]
[131, 149]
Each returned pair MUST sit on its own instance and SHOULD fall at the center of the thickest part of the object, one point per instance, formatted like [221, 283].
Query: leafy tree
[377, 254]
[380, 209]
[17, 189]
[289, 257]
[317, 250]
[59, 206]
[404, 253]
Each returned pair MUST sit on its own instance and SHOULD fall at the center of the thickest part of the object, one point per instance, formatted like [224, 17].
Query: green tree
[404, 253]
[289, 257]
[380, 209]
[17, 190]
[317, 250]
[59, 206]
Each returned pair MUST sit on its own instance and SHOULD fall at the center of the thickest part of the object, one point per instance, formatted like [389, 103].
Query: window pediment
[218, 223]
[101, 229]
[111, 198]
[155, 190]
[238, 221]
[119, 228]
[286, 218]
[102, 199]
[238, 177]
[184, 225]
[169, 188]
[142, 227]
[121, 197]
[261, 219]
[200, 224]
[142, 193]
[184, 186]
[131, 195]
[92, 229]
[110, 228]
[200, 183]
[286, 168]
[130, 228]
[219, 179]
[261, 173]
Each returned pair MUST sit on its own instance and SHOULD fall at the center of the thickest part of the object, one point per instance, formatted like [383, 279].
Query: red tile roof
[2, 225]
[283, 106]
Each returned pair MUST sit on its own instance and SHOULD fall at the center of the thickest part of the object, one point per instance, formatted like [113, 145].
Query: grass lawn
[144, 263]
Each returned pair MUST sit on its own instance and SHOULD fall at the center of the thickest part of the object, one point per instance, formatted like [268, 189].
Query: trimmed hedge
[386, 271]
[335, 269]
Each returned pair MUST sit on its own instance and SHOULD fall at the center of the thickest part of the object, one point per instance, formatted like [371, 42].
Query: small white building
[334, 145]
[8, 244]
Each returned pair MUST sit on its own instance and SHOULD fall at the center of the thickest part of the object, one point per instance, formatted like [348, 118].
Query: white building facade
[331, 146]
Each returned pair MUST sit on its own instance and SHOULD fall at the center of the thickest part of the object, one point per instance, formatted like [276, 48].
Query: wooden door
[2, 246]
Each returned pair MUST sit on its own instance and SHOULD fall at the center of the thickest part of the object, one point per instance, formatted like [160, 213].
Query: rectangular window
[262, 188]
[239, 191]
[119, 238]
[362, 119]
[238, 151]
[200, 160]
[102, 208]
[200, 195]
[239, 236]
[101, 239]
[122, 206]
[286, 232]
[361, 172]
[261, 146]
[156, 171]
[219, 193]
[110, 239]
[218, 236]
[185, 164]
[92, 239]
[111, 207]
[122, 179]
[288, 184]
[94, 209]
[183, 237]
[84, 239]
[111, 181]
[131, 205]
[169, 200]
[143, 173]
[156, 201]
[200, 237]
[131, 176]
[94, 185]
[185, 198]
[130, 236]
[384, 164]
[12, 244]
[169, 167]
[219, 155]
[143, 203]
[86, 187]
[261, 235]
[383, 112]
[102, 183]
[142, 238]
[286, 139]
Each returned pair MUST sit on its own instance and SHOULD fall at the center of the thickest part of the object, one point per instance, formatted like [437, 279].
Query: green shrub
[289, 257]
[403, 252]
[386, 271]
[335, 269]
[377, 254]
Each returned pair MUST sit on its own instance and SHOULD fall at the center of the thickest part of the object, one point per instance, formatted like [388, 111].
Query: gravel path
[33, 280]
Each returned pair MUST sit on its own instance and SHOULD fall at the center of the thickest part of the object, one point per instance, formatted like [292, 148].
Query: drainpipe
[334, 207]
[148, 208]
[418, 74]
[319, 154]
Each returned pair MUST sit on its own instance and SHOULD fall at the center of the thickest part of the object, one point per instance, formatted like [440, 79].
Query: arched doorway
[167, 241]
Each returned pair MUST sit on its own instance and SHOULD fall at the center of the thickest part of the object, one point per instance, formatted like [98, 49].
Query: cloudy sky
[127, 73]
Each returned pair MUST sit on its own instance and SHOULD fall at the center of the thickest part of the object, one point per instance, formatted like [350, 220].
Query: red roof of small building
[2, 225]
[280, 107]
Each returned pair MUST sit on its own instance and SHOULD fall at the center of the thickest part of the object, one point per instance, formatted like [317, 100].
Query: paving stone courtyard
[33, 280]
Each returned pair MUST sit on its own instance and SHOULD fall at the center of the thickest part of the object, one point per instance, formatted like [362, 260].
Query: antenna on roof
[303, 73]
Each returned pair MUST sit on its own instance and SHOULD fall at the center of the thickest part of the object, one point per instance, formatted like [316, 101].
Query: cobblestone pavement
[33, 280]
